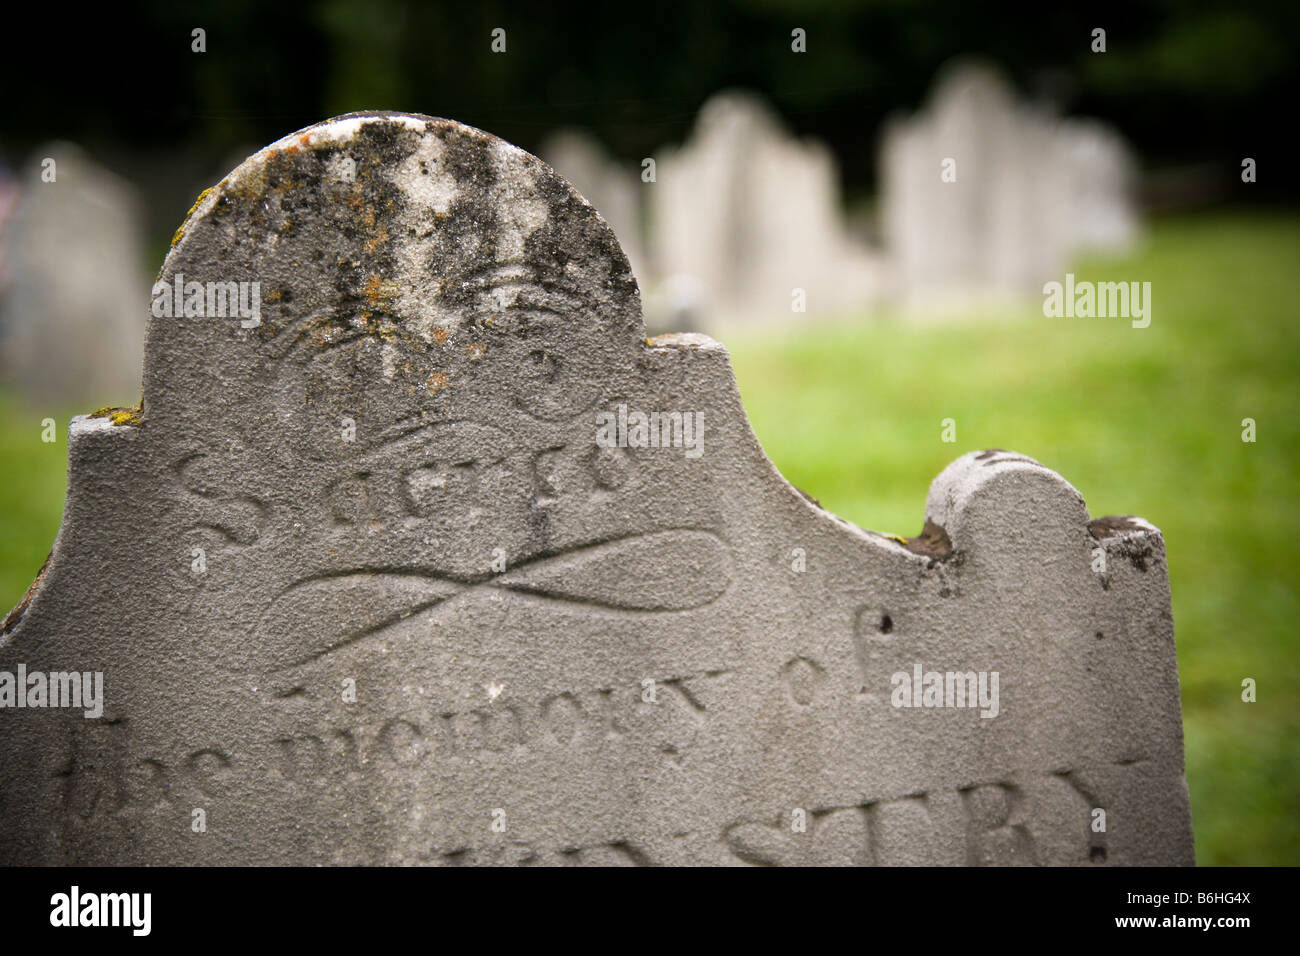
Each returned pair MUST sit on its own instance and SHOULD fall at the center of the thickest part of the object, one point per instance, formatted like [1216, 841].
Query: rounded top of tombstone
[971, 84]
[421, 242]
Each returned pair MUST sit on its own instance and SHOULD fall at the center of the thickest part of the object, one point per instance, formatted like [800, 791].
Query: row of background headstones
[983, 198]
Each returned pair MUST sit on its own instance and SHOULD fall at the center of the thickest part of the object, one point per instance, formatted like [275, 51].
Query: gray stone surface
[649, 680]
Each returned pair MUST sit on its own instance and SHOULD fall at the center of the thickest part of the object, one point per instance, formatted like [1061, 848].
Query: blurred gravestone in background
[1103, 212]
[983, 195]
[741, 216]
[74, 315]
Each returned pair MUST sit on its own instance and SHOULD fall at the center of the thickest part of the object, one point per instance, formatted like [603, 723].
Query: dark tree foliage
[1186, 82]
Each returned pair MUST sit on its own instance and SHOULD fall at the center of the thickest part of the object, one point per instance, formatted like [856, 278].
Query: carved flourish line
[662, 571]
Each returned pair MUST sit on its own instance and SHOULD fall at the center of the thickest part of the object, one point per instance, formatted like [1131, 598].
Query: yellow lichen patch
[249, 184]
[437, 382]
[372, 324]
[119, 415]
[180, 231]
[202, 196]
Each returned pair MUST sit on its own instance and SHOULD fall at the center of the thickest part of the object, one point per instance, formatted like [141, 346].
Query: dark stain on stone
[1000, 461]
[933, 542]
[1138, 555]
[16, 615]
[989, 453]
[1137, 550]
[1113, 525]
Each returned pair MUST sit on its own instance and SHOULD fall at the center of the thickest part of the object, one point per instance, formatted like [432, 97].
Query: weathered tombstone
[384, 578]
[743, 215]
[984, 196]
[1103, 195]
[72, 325]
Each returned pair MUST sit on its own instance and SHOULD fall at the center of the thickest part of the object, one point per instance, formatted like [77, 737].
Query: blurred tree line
[1185, 82]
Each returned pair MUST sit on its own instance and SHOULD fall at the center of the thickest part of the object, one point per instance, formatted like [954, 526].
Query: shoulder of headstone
[94, 444]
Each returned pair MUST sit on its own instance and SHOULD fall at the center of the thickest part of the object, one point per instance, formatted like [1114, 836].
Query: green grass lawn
[1141, 421]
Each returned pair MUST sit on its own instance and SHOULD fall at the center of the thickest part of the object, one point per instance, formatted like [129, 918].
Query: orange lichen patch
[437, 382]
[440, 336]
[476, 351]
[304, 142]
[274, 296]
[377, 290]
[375, 242]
